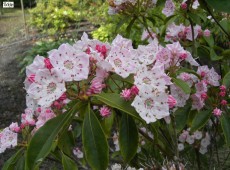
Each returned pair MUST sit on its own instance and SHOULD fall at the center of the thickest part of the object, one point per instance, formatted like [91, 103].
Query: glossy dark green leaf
[183, 85]
[226, 80]
[181, 116]
[94, 142]
[20, 164]
[42, 141]
[225, 124]
[209, 40]
[115, 101]
[195, 18]
[10, 163]
[107, 124]
[200, 119]
[68, 163]
[222, 6]
[214, 56]
[128, 28]
[128, 137]
[66, 142]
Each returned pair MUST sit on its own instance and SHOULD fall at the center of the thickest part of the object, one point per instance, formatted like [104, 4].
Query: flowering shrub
[153, 106]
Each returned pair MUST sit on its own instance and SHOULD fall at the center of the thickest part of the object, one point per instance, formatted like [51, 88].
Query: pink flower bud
[31, 78]
[14, 127]
[202, 74]
[183, 56]
[96, 87]
[63, 97]
[126, 94]
[183, 6]
[171, 101]
[48, 63]
[223, 102]
[217, 112]
[207, 33]
[222, 93]
[204, 96]
[134, 90]
[105, 111]
[223, 88]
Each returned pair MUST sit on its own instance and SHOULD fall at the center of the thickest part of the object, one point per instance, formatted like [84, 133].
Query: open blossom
[180, 96]
[8, 139]
[151, 105]
[122, 57]
[169, 8]
[209, 75]
[44, 115]
[47, 88]
[217, 112]
[70, 64]
[14, 127]
[78, 153]
[27, 118]
[105, 111]
[147, 53]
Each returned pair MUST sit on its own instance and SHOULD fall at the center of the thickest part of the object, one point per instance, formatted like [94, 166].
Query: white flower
[116, 167]
[203, 150]
[180, 147]
[46, 88]
[198, 135]
[151, 106]
[169, 8]
[190, 139]
[70, 64]
[153, 79]
[8, 139]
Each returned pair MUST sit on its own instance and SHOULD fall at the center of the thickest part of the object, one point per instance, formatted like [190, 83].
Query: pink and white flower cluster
[198, 139]
[88, 63]
[180, 32]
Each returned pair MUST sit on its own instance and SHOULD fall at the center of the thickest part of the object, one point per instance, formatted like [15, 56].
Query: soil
[12, 98]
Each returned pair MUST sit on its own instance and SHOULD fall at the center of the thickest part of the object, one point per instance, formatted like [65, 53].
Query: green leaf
[226, 80]
[10, 163]
[20, 164]
[181, 116]
[128, 137]
[107, 124]
[209, 40]
[183, 85]
[121, 22]
[68, 163]
[214, 56]
[94, 142]
[200, 119]
[129, 79]
[41, 143]
[222, 6]
[66, 142]
[128, 28]
[152, 20]
[195, 18]
[225, 124]
[115, 101]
